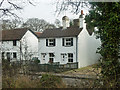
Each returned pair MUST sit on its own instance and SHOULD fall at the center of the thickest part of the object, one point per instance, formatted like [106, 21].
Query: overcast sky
[43, 9]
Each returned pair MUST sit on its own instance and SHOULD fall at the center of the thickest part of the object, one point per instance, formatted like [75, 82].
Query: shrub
[51, 81]
[9, 69]
[18, 82]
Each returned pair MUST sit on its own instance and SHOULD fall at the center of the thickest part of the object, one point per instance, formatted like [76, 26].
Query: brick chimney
[65, 22]
[76, 23]
[79, 22]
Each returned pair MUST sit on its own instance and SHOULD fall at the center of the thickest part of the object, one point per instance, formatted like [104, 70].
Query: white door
[63, 58]
[43, 58]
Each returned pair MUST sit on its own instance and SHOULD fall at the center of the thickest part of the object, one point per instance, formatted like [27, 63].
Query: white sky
[44, 9]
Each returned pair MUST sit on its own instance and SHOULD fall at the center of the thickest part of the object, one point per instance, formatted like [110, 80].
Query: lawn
[89, 70]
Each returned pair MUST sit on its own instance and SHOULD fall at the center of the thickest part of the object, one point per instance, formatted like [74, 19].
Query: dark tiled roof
[15, 34]
[38, 33]
[59, 32]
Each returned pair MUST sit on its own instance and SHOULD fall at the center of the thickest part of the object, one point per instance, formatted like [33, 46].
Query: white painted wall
[57, 50]
[31, 41]
[7, 46]
[28, 39]
[86, 49]
[87, 46]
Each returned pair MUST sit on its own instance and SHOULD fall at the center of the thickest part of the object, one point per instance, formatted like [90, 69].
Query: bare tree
[73, 6]
[57, 23]
[11, 24]
[7, 7]
[36, 24]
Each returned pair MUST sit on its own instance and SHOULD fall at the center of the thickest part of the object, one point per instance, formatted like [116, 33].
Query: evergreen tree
[106, 17]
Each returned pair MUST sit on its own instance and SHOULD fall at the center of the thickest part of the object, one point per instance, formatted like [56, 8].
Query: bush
[9, 69]
[36, 61]
[18, 82]
[46, 81]
[51, 81]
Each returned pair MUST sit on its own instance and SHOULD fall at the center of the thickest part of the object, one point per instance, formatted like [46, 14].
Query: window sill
[67, 46]
[50, 46]
[70, 62]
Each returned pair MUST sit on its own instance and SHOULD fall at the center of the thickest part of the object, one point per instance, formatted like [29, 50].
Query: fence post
[77, 64]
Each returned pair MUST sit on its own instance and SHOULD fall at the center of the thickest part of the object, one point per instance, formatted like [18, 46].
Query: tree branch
[9, 10]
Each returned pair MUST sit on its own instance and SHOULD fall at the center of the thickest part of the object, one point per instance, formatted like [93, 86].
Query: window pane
[51, 42]
[70, 57]
[14, 43]
[14, 55]
[69, 41]
[51, 57]
[3, 55]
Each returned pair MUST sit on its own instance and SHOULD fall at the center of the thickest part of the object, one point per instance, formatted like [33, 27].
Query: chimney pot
[81, 12]
[65, 21]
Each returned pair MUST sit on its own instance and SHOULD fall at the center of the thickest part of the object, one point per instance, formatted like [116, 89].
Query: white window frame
[51, 42]
[67, 42]
[51, 57]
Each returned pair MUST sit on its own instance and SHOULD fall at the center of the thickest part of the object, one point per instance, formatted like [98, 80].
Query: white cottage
[19, 44]
[69, 44]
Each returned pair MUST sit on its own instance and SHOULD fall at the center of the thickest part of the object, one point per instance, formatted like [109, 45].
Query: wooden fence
[52, 67]
[55, 67]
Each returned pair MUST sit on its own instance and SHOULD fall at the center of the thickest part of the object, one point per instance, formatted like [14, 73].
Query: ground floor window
[51, 57]
[8, 55]
[14, 55]
[70, 57]
[3, 57]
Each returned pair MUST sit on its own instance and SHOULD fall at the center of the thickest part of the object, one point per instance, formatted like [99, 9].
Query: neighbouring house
[69, 44]
[19, 44]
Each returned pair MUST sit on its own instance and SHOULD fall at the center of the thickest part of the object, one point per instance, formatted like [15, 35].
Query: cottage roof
[59, 32]
[14, 34]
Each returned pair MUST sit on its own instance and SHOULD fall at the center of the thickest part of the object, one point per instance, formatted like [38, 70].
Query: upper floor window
[14, 43]
[67, 41]
[50, 42]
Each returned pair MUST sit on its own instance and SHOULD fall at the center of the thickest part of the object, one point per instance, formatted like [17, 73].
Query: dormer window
[50, 42]
[67, 42]
[14, 43]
